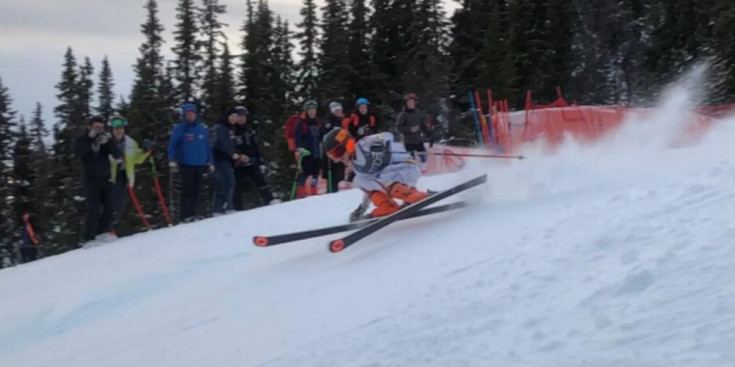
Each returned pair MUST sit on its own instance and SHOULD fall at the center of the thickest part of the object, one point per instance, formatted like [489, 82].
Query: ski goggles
[118, 122]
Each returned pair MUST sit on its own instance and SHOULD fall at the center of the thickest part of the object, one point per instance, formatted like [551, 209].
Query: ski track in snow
[617, 254]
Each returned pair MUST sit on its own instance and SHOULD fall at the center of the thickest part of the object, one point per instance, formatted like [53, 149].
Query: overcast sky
[34, 35]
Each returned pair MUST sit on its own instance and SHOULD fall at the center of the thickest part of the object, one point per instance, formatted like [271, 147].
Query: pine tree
[225, 84]
[723, 40]
[86, 92]
[68, 112]
[67, 193]
[255, 60]
[308, 70]
[7, 219]
[682, 36]
[335, 61]
[186, 50]
[211, 29]
[362, 73]
[496, 62]
[24, 177]
[425, 60]
[283, 67]
[38, 131]
[104, 90]
[41, 207]
[468, 28]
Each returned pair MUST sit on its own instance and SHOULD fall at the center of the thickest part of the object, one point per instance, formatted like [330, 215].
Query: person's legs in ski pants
[253, 173]
[224, 185]
[191, 180]
[119, 198]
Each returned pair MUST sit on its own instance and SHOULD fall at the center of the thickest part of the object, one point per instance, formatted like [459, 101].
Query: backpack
[290, 131]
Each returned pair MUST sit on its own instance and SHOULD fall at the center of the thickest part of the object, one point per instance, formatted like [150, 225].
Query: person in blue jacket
[190, 155]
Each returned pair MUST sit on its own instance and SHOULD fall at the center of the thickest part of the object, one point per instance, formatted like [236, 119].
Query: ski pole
[161, 200]
[470, 155]
[138, 208]
[330, 189]
[296, 178]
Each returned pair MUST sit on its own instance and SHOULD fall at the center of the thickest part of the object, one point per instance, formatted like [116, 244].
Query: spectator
[189, 155]
[309, 134]
[225, 156]
[415, 127]
[29, 247]
[123, 168]
[361, 122]
[94, 149]
[251, 168]
[332, 171]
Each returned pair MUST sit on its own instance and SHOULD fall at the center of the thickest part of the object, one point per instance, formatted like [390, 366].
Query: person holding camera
[94, 149]
[123, 168]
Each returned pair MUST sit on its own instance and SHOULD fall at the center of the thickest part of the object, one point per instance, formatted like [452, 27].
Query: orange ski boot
[408, 194]
[384, 205]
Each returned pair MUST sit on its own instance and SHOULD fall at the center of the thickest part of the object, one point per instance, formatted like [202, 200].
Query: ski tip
[260, 241]
[336, 245]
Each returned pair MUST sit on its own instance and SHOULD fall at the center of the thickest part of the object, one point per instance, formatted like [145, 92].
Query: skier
[360, 123]
[251, 167]
[225, 156]
[415, 126]
[383, 168]
[309, 133]
[94, 149]
[333, 172]
[123, 168]
[189, 153]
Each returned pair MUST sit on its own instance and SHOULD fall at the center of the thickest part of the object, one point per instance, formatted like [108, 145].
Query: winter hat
[362, 101]
[188, 107]
[335, 106]
[410, 96]
[310, 104]
[94, 119]
[240, 110]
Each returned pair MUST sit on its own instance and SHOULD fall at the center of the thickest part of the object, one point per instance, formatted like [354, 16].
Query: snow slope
[618, 254]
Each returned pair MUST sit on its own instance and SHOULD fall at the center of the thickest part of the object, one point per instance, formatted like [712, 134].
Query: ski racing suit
[384, 171]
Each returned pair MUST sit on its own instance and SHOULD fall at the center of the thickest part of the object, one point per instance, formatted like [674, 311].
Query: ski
[267, 241]
[349, 240]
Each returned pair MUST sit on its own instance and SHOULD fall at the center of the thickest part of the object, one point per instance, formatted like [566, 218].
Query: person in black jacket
[250, 167]
[224, 152]
[94, 149]
[333, 172]
[415, 127]
[361, 122]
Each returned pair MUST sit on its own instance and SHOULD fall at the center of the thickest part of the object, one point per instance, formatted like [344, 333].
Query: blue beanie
[188, 107]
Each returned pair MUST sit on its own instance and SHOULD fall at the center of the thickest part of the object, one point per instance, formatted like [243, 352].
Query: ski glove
[173, 166]
[301, 152]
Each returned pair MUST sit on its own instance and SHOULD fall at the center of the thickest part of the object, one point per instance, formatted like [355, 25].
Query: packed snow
[613, 254]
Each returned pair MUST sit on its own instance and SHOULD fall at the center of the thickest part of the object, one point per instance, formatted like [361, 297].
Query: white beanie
[334, 106]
